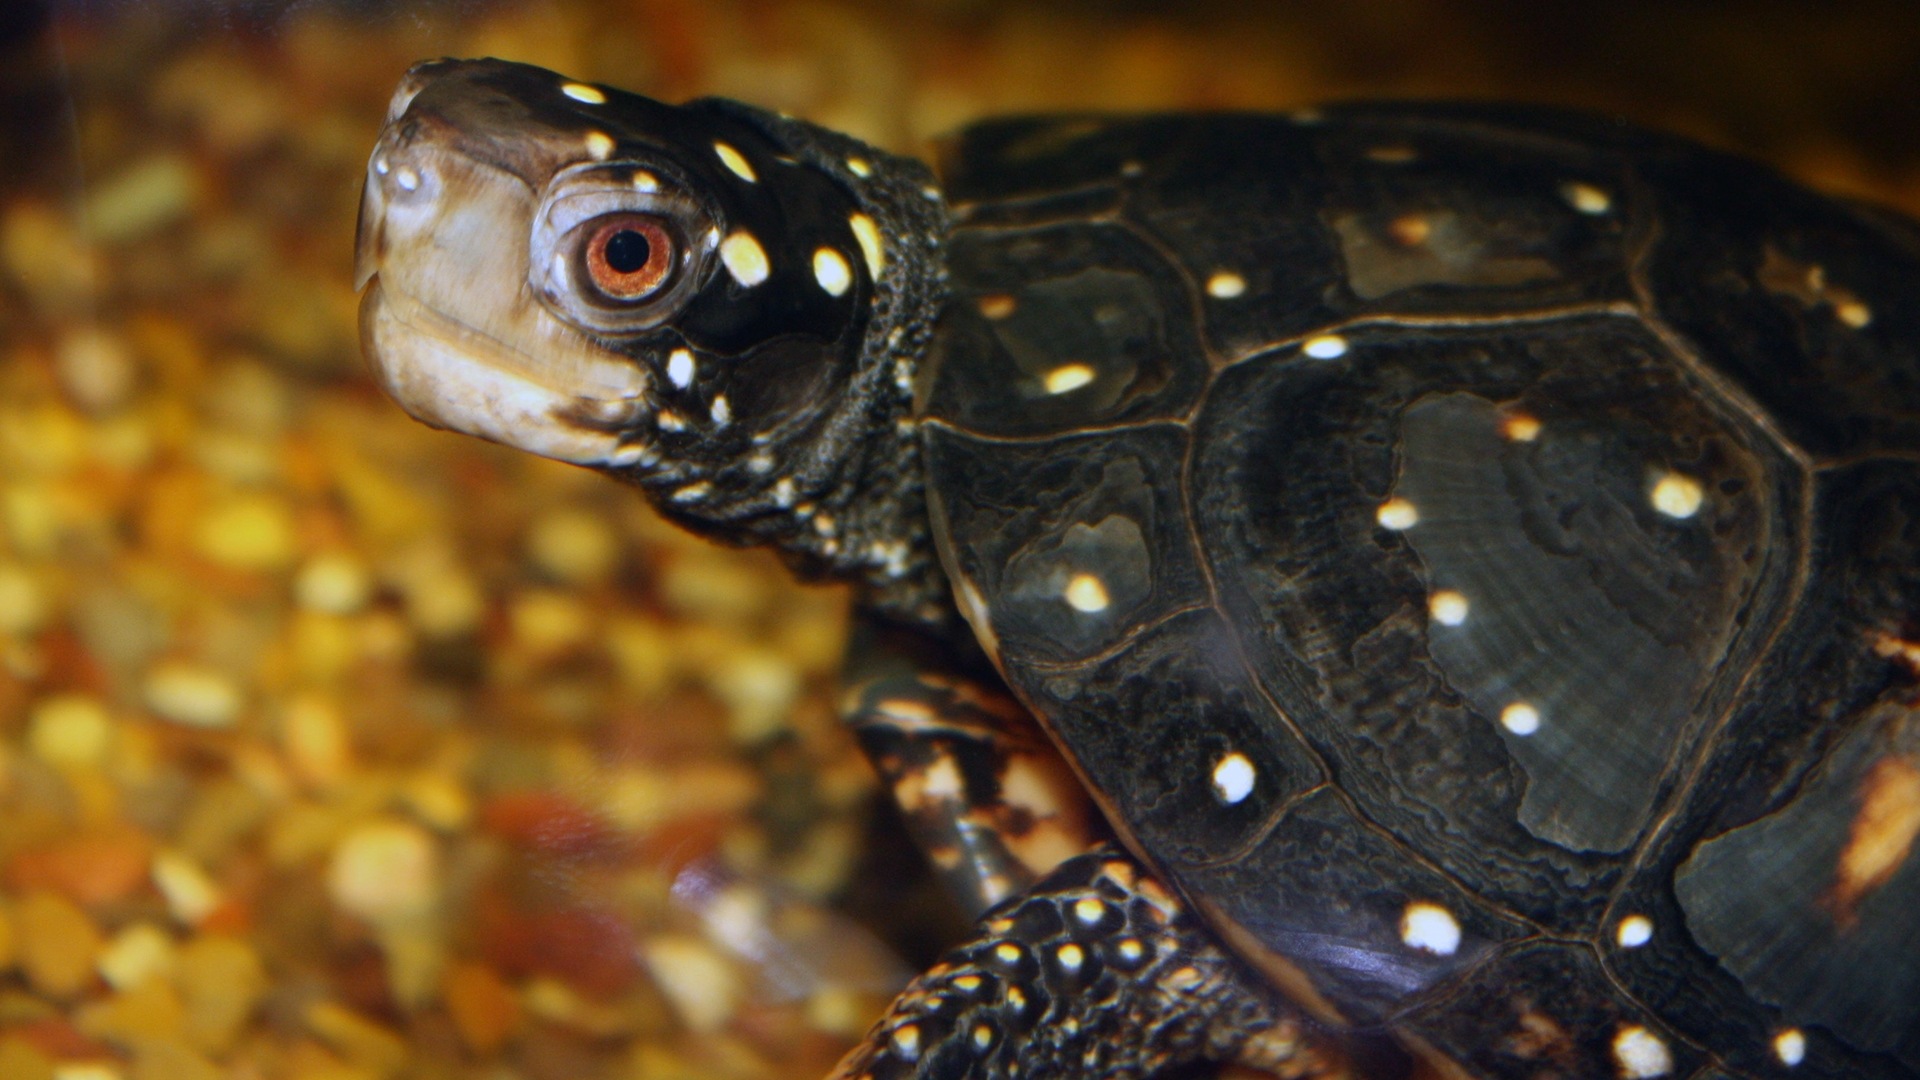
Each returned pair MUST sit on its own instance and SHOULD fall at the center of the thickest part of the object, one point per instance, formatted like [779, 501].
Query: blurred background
[335, 748]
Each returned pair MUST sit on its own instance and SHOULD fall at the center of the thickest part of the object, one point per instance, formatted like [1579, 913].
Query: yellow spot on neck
[582, 92]
[1586, 198]
[599, 145]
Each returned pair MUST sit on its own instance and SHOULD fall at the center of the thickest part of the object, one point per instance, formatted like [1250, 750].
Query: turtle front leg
[1098, 971]
[983, 790]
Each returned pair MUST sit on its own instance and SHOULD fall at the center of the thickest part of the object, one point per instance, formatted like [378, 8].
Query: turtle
[1410, 588]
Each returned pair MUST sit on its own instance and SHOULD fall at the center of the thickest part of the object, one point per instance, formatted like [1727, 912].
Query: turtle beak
[369, 246]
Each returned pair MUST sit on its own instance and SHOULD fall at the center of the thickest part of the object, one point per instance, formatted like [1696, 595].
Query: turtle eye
[627, 256]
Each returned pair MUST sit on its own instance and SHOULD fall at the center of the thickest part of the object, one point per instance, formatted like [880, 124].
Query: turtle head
[720, 304]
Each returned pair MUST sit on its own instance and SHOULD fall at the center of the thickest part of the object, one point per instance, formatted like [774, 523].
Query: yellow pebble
[59, 944]
[356, 1038]
[140, 952]
[248, 532]
[221, 980]
[193, 695]
[334, 582]
[73, 730]
[23, 604]
[191, 895]
[385, 871]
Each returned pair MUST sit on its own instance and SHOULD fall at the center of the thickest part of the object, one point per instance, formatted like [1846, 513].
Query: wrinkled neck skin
[844, 498]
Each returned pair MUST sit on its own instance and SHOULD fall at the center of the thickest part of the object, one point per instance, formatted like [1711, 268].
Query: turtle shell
[1473, 553]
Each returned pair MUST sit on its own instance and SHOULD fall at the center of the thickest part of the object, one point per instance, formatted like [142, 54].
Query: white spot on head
[380, 165]
[407, 178]
[832, 272]
[760, 464]
[858, 166]
[1853, 313]
[868, 234]
[1641, 1054]
[599, 145]
[1519, 427]
[1586, 198]
[1677, 496]
[735, 162]
[1790, 1046]
[1392, 155]
[669, 420]
[630, 454]
[692, 492]
[680, 368]
[783, 491]
[1520, 718]
[745, 259]
[1131, 168]
[1448, 607]
[1085, 592]
[1634, 931]
[1068, 377]
[582, 92]
[1233, 777]
[721, 412]
[1430, 928]
[645, 181]
[1225, 285]
[1325, 347]
[1397, 514]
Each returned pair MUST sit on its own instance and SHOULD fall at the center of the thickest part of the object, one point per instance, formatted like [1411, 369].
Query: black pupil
[627, 251]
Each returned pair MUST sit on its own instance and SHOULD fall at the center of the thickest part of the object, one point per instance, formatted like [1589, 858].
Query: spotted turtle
[1469, 557]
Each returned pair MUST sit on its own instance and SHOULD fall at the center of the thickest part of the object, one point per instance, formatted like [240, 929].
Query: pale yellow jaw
[452, 328]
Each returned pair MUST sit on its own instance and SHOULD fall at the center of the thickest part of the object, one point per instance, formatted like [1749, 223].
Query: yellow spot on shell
[906, 1042]
[1882, 835]
[1397, 514]
[599, 145]
[1853, 313]
[1448, 607]
[1007, 952]
[1790, 1046]
[745, 259]
[582, 92]
[1088, 909]
[832, 272]
[858, 166]
[996, 306]
[1634, 931]
[1410, 230]
[1325, 347]
[1233, 778]
[1586, 198]
[1068, 377]
[1520, 427]
[1678, 496]
[1641, 1054]
[868, 234]
[735, 162]
[1225, 285]
[1087, 593]
[1071, 956]
[1520, 718]
[1430, 928]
